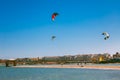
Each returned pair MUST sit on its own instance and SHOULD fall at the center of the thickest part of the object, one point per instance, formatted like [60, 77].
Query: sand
[71, 66]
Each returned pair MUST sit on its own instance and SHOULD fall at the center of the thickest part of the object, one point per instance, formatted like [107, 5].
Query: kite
[54, 15]
[53, 37]
[106, 35]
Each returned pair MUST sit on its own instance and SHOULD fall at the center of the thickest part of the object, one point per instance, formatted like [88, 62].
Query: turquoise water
[57, 74]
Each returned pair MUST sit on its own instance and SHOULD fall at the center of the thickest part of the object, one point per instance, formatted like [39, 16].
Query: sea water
[10, 73]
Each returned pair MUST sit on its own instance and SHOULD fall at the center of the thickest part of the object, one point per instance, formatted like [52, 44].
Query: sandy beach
[71, 66]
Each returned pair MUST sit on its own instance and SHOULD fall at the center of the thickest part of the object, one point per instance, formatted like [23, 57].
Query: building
[116, 56]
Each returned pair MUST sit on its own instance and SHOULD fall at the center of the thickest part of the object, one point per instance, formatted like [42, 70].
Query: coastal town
[66, 59]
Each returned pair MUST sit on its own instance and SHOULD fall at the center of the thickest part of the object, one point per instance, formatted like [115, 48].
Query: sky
[26, 27]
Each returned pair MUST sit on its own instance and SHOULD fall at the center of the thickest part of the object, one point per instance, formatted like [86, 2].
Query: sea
[12, 73]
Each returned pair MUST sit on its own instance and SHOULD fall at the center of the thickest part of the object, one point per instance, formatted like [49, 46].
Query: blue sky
[26, 27]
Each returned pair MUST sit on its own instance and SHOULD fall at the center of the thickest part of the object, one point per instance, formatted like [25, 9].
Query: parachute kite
[53, 37]
[106, 35]
[54, 15]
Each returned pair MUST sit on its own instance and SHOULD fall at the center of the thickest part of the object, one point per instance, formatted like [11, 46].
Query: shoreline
[71, 66]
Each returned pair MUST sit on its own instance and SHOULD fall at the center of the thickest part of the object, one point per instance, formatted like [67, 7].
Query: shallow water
[57, 74]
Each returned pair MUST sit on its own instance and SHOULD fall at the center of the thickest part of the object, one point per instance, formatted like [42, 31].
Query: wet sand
[71, 66]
